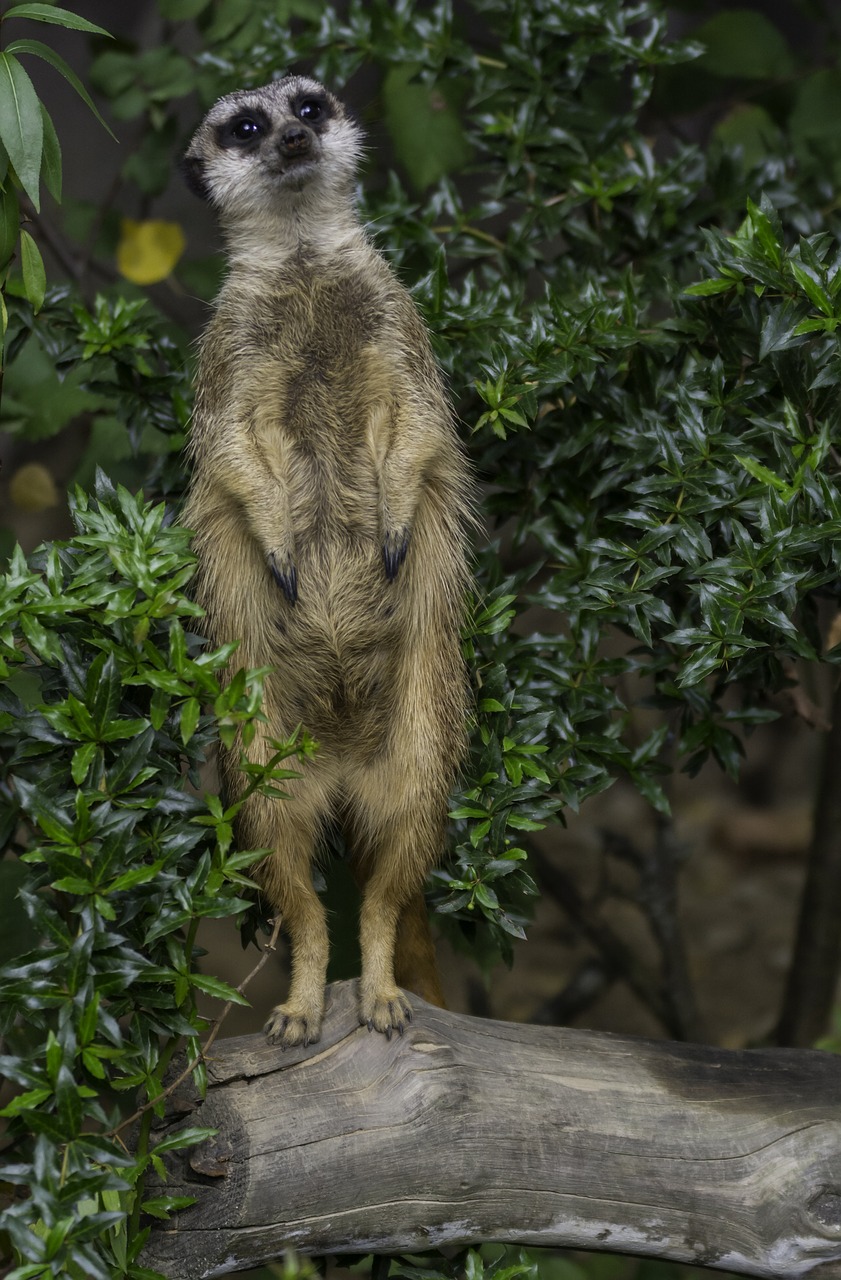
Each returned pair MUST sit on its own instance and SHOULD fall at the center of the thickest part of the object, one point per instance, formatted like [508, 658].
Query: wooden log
[465, 1130]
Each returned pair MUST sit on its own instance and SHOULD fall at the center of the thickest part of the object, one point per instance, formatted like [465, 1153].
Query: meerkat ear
[192, 171]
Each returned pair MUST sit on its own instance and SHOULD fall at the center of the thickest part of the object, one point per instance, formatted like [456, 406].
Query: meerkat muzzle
[296, 141]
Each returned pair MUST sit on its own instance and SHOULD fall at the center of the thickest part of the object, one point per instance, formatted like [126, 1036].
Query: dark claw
[370, 1024]
[394, 1012]
[286, 578]
[394, 551]
[274, 1035]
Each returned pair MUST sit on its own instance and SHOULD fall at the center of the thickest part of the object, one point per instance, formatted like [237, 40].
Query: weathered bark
[466, 1130]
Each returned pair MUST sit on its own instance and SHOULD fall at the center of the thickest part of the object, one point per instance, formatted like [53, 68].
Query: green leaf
[163, 1206]
[21, 124]
[26, 1101]
[706, 288]
[190, 713]
[425, 123]
[814, 117]
[474, 1268]
[102, 693]
[41, 50]
[216, 987]
[765, 232]
[184, 1138]
[750, 129]
[52, 13]
[81, 762]
[9, 224]
[814, 326]
[766, 475]
[51, 157]
[743, 44]
[812, 289]
[32, 267]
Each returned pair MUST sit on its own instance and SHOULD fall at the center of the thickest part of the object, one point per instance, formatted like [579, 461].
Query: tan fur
[322, 440]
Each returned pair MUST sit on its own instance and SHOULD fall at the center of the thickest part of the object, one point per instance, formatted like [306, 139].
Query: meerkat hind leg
[382, 1005]
[286, 879]
[392, 870]
[415, 961]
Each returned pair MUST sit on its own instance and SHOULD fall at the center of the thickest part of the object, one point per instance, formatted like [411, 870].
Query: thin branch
[813, 976]
[46, 232]
[269, 948]
[618, 958]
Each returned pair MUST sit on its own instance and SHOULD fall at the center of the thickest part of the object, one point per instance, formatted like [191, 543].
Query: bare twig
[47, 233]
[202, 1054]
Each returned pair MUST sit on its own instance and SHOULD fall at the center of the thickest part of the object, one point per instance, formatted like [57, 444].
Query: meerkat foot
[395, 546]
[287, 1026]
[285, 574]
[386, 1011]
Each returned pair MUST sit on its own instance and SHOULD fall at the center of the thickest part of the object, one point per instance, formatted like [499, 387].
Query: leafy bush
[102, 737]
[640, 334]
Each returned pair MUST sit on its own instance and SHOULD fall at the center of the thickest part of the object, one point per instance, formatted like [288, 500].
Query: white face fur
[261, 155]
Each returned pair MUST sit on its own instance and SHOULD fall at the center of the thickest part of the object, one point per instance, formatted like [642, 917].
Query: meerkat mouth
[294, 171]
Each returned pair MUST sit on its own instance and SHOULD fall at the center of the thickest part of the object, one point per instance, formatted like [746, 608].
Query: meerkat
[330, 501]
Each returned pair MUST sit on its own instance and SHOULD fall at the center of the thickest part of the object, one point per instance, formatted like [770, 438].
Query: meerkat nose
[295, 141]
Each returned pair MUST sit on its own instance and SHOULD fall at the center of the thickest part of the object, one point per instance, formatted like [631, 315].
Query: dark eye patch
[244, 130]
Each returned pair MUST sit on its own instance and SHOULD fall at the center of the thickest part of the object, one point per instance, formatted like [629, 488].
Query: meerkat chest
[322, 362]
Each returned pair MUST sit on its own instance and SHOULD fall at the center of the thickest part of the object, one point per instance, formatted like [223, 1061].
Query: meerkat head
[261, 153]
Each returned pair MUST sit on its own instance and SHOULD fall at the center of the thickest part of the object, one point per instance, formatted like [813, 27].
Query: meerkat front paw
[288, 1025]
[284, 573]
[395, 546]
[386, 1011]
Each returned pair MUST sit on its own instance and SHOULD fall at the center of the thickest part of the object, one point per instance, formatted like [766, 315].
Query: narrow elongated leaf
[21, 124]
[9, 224]
[34, 275]
[190, 713]
[58, 17]
[184, 1138]
[103, 692]
[41, 50]
[51, 157]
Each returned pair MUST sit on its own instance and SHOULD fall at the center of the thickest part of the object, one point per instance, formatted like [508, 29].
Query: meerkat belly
[339, 649]
[333, 498]
[348, 619]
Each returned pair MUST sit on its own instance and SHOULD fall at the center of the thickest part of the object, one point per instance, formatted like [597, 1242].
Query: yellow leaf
[32, 488]
[148, 251]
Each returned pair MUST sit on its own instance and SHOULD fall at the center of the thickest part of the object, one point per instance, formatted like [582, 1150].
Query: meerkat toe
[286, 1027]
[387, 1012]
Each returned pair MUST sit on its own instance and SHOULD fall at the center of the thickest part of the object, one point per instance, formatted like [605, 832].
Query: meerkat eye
[311, 110]
[245, 129]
